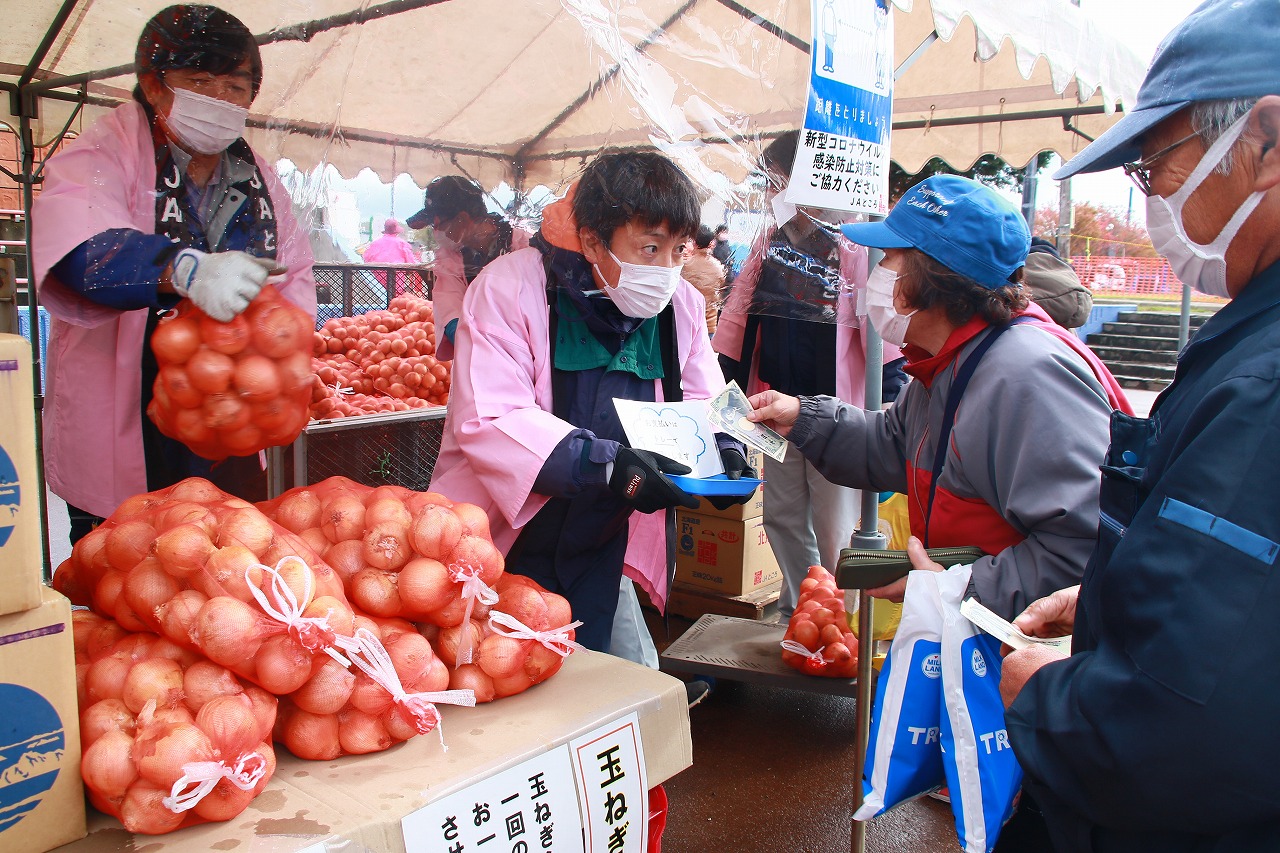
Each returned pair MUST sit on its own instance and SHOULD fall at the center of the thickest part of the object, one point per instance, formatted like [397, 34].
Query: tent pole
[868, 538]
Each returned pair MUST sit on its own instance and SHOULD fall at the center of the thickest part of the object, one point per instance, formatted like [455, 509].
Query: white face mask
[1203, 267]
[891, 325]
[783, 211]
[642, 291]
[202, 124]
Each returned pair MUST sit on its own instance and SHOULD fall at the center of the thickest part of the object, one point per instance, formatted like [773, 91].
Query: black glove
[735, 468]
[638, 479]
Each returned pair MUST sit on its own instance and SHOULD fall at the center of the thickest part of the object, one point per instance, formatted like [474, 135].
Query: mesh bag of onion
[169, 739]
[213, 574]
[232, 389]
[818, 640]
[411, 555]
[522, 642]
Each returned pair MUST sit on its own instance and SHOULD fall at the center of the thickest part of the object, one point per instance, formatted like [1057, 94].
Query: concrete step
[1126, 355]
[1141, 371]
[1141, 384]
[1144, 330]
[1161, 318]
[1134, 342]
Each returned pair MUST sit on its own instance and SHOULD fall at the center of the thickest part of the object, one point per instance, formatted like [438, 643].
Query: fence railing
[345, 290]
[1130, 277]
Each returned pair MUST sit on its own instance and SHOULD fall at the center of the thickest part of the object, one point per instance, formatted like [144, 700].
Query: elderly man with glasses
[1158, 733]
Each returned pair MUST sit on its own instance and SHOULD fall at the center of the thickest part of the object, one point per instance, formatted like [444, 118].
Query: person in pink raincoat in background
[594, 310]
[391, 248]
[467, 238]
[160, 199]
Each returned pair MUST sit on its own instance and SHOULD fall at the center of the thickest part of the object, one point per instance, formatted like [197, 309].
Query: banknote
[727, 412]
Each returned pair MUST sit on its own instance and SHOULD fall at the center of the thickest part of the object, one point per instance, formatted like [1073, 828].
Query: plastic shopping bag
[904, 752]
[982, 772]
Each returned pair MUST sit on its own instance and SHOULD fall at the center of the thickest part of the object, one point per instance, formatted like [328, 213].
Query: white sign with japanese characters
[678, 431]
[842, 161]
[613, 787]
[530, 807]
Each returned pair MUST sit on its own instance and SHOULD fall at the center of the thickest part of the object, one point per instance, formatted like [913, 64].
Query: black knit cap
[201, 37]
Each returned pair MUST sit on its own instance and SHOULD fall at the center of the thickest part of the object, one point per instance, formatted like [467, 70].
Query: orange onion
[161, 750]
[313, 737]
[128, 542]
[157, 680]
[299, 511]
[435, 531]
[183, 550]
[360, 733]
[470, 676]
[107, 715]
[177, 616]
[107, 764]
[205, 681]
[227, 630]
[147, 587]
[375, 592]
[343, 518]
[282, 665]
[327, 690]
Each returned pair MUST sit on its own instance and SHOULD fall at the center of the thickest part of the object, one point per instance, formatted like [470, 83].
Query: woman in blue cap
[1020, 406]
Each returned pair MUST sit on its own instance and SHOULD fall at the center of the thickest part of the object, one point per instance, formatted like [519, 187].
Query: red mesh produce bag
[232, 389]
[169, 739]
[523, 642]
[818, 640]
[388, 696]
[213, 574]
[401, 554]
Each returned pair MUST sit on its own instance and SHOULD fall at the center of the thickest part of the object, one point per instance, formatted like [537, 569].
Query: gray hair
[1211, 119]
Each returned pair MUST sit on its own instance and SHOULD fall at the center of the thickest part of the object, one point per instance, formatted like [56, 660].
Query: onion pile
[232, 389]
[820, 626]
[400, 554]
[168, 739]
[214, 575]
[523, 642]
[382, 361]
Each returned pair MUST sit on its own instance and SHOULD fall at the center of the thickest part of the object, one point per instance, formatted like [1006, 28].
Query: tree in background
[1098, 230]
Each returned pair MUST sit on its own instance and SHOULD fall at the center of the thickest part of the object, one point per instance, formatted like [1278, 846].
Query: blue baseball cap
[960, 223]
[1224, 49]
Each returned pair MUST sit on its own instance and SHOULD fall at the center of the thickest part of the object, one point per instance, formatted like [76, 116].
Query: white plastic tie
[372, 658]
[281, 604]
[801, 649]
[339, 389]
[473, 590]
[201, 777]
[557, 639]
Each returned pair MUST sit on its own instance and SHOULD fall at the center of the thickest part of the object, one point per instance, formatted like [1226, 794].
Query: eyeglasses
[236, 87]
[1139, 171]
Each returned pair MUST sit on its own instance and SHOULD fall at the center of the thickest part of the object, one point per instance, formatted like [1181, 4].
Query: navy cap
[446, 197]
[960, 223]
[1224, 49]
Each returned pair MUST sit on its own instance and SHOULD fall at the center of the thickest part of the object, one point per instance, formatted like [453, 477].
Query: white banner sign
[842, 161]
[613, 789]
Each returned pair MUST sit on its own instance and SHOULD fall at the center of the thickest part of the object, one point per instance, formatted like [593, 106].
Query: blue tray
[716, 485]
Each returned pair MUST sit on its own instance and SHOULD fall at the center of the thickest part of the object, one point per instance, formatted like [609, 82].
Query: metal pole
[866, 537]
[1064, 218]
[26, 139]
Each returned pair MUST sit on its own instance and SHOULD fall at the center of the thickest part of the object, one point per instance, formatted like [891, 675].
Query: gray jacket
[1029, 436]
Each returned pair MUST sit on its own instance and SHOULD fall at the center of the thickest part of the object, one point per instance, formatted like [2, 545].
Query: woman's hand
[919, 562]
[775, 410]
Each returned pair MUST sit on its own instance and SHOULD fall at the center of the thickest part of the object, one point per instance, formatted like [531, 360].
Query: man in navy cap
[1159, 732]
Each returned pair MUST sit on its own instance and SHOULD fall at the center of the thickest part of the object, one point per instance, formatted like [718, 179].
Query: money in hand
[728, 410]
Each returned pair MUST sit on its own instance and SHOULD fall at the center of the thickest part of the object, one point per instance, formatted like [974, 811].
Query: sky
[1140, 24]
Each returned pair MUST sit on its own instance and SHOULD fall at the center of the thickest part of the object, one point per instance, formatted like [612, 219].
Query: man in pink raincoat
[391, 248]
[467, 238]
[594, 310]
[160, 199]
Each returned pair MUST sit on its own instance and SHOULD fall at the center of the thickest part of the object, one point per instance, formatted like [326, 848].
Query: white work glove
[221, 284]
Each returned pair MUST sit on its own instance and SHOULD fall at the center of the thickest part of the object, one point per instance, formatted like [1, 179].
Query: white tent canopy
[526, 90]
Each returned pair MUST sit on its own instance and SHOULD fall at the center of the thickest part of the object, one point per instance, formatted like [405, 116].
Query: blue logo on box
[32, 744]
[10, 497]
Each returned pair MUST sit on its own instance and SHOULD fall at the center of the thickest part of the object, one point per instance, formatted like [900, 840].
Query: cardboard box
[21, 554]
[753, 508]
[722, 555]
[41, 795]
[358, 802]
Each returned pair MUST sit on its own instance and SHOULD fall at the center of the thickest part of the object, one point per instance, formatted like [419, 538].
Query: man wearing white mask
[160, 199]
[1172, 685]
[594, 309]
